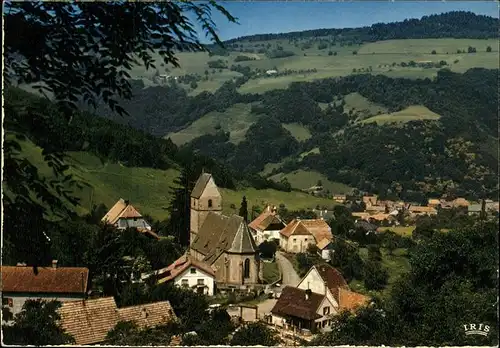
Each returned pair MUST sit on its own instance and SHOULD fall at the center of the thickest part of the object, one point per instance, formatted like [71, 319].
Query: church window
[246, 269]
[210, 203]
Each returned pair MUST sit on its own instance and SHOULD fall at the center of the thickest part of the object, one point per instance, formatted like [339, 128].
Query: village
[224, 257]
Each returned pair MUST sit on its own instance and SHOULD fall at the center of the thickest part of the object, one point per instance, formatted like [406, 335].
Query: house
[361, 216]
[380, 217]
[321, 294]
[188, 273]
[340, 198]
[325, 247]
[21, 283]
[376, 208]
[299, 234]
[419, 210]
[123, 215]
[370, 200]
[89, 321]
[433, 202]
[324, 214]
[267, 226]
[271, 72]
[225, 243]
[460, 202]
[490, 207]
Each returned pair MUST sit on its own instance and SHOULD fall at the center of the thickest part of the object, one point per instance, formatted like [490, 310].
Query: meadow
[150, 190]
[304, 179]
[376, 57]
[411, 113]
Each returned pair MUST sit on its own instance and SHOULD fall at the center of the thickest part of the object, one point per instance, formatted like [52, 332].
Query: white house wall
[192, 279]
[313, 281]
[18, 300]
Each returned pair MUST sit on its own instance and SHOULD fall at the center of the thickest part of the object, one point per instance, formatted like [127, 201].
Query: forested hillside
[456, 24]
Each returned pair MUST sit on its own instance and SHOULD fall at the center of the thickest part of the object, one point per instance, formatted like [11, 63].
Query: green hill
[150, 189]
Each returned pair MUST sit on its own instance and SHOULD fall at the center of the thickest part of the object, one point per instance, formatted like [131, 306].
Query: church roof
[200, 185]
[220, 233]
[243, 241]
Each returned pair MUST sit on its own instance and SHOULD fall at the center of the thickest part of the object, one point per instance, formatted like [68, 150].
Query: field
[361, 105]
[379, 56]
[150, 189]
[396, 264]
[302, 179]
[271, 272]
[405, 231]
[298, 131]
[411, 113]
[236, 120]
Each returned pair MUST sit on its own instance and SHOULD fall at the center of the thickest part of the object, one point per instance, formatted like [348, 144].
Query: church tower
[205, 198]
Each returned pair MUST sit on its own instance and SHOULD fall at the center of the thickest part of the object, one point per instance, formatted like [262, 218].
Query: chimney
[54, 264]
[127, 202]
[308, 294]
[326, 287]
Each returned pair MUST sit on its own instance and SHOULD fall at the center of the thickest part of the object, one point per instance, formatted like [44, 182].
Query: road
[290, 277]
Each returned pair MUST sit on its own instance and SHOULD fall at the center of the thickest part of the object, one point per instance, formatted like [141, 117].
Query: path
[290, 277]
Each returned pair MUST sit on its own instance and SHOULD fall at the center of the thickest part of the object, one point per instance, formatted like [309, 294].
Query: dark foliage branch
[79, 50]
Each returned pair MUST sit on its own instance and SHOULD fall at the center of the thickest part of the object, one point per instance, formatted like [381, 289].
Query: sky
[262, 17]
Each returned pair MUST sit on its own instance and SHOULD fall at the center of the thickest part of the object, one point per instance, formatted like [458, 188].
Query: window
[201, 281]
[294, 240]
[192, 270]
[326, 310]
[305, 240]
[210, 203]
[7, 301]
[184, 283]
[246, 269]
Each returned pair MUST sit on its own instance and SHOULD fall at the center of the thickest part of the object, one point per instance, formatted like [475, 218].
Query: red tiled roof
[259, 219]
[318, 228]
[90, 321]
[350, 300]
[68, 280]
[129, 212]
[148, 315]
[332, 277]
[295, 227]
[179, 266]
[293, 302]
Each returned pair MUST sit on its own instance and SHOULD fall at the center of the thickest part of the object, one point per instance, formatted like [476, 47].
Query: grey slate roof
[200, 185]
[220, 233]
[243, 241]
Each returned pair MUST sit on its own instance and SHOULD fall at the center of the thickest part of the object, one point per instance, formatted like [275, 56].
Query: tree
[354, 52]
[255, 334]
[127, 333]
[268, 249]
[433, 52]
[375, 277]
[216, 330]
[471, 49]
[37, 324]
[488, 49]
[244, 209]
[88, 50]
[193, 85]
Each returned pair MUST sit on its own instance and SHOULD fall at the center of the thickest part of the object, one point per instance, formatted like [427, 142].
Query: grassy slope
[303, 179]
[361, 105]
[236, 120]
[411, 113]
[396, 264]
[271, 272]
[377, 55]
[298, 131]
[149, 189]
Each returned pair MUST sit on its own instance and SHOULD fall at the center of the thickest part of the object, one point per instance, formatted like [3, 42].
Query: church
[223, 242]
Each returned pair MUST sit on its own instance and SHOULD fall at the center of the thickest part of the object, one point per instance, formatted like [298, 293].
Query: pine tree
[244, 209]
[179, 222]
